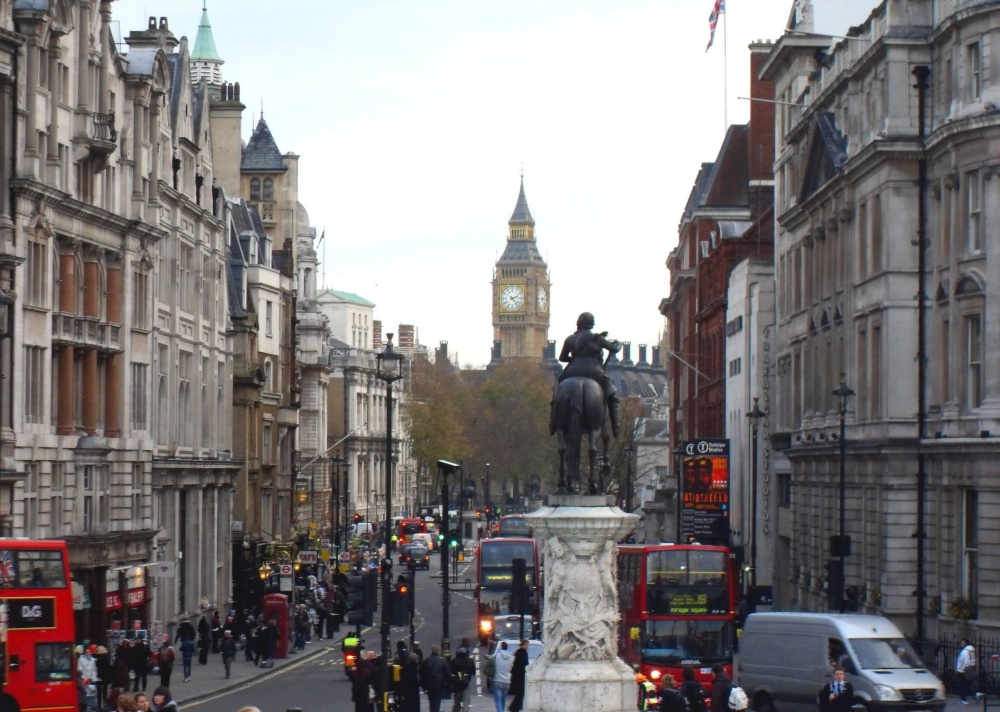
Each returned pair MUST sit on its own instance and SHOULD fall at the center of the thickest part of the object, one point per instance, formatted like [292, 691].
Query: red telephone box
[276, 607]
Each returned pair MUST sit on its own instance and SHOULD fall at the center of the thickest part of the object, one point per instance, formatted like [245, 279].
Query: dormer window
[255, 189]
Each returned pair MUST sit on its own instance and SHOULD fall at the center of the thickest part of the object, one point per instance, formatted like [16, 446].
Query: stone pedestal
[580, 668]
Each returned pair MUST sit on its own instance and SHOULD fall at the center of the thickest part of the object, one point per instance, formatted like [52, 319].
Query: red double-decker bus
[678, 609]
[408, 526]
[495, 585]
[36, 627]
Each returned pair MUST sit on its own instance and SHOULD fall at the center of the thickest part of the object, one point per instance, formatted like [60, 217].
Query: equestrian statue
[585, 403]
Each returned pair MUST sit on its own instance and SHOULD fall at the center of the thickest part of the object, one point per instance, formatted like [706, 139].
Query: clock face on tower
[543, 299]
[512, 298]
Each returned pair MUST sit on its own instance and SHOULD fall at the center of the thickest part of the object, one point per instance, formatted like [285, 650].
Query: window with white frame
[57, 494]
[268, 317]
[268, 376]
[141, 316]
[974, 69]
[184, 429]
[266, 453]
[140, 396]
[970, 545]
[36, 270]
[135, 496]
[973, 212]
[31, 487]
[95, 501]
[163, 394]
[974, 360]
[186, 278]
[35, 361]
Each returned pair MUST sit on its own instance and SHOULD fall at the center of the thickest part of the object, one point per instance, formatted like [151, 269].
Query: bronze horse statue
[579, 409]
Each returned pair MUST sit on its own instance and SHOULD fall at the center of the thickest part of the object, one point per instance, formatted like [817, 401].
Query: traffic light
[519, 587]
[440, 537]
[369, 601]
[453, 538]
[354, 600]
[357, 517]
[400, 613]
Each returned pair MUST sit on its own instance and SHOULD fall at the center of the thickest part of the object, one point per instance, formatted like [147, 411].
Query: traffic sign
[344, 556]
[285, 569]
[324, 543]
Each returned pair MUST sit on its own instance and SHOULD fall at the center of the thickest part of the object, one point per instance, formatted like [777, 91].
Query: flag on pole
[713, 20]
[321, 238]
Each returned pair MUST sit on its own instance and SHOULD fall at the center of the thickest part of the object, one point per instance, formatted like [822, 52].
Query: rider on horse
[583, 354]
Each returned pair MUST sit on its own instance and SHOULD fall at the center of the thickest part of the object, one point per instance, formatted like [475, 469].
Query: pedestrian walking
[671, 699]
[228, 649]
[463, 672]
[966, 666]
[166, 657]
[692, 690]
[838, 694]
[721, 687]
[142, 699]
[139, 655]
[360, 677]
[105, 673]
[434, 676]
[187, 655]
[409, 684]
[517, 676]
[216, 632]
[503, 663]
[163, 701]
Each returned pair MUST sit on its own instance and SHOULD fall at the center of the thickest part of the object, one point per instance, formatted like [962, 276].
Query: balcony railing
[104, 128]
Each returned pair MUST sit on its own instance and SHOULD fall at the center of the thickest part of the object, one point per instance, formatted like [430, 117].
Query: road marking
[255, 681]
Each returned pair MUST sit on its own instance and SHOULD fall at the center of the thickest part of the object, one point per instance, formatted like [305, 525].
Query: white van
[785, 659]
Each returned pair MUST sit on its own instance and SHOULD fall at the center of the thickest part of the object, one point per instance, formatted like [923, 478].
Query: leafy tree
[436, 413]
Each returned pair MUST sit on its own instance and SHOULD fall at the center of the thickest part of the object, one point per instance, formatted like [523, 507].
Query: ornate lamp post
[389, 369]
[843, 392]
[755, 415]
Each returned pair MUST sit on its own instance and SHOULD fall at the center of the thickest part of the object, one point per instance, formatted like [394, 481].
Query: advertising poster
[705, 494]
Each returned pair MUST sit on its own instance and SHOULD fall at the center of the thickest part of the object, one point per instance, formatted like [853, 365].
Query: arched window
[268, 373]
[268, 189]
[255, 189]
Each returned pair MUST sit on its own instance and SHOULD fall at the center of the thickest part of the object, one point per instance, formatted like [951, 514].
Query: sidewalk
[210, 679]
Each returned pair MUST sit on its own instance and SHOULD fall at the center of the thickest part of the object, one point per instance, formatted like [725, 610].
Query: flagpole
[725, 71]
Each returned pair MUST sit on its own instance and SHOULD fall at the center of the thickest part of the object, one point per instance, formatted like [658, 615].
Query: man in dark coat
[838, 694]
[721, 687]
[360, 678]
[434, 675]
[139, 663]
[516, 690]
[463, 674]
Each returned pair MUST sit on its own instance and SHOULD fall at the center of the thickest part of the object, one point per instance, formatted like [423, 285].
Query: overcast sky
[413, 119]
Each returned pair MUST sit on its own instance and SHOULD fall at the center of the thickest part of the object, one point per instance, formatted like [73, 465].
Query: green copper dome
[204, 43]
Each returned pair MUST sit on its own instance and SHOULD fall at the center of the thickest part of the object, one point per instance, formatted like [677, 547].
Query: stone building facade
[875, 206]
[116, 433]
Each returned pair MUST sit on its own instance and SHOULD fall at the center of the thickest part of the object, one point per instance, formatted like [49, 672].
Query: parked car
[403, 550]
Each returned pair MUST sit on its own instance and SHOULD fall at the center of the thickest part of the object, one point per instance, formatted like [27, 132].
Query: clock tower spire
[521, 289]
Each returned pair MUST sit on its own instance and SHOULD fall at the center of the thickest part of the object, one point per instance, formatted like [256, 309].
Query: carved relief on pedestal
[581, 617]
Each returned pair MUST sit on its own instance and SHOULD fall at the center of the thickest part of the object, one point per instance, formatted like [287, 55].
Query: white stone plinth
[580, 668]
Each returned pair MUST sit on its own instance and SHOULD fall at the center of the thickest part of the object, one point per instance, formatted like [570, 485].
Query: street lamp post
[755, 415]
[445, 468]
[389, 369]
[843, 392]
[628, 486]
[489, 503]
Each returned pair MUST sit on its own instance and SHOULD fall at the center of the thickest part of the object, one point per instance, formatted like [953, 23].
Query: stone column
[580, 668]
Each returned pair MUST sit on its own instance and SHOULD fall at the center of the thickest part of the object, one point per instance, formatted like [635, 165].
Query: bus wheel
[8, 704]
[763, 703]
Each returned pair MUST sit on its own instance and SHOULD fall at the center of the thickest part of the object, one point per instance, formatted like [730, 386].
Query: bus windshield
[683, 642]
[687, 582]
[31, 568]
[501, 555]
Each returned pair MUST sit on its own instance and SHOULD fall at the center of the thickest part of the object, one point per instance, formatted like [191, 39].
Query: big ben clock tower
[521, 290]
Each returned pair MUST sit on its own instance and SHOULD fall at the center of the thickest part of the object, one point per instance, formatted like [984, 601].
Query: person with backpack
[463, 671]
[435, 675]
[165, 657]
[693, 691]
[721, 687]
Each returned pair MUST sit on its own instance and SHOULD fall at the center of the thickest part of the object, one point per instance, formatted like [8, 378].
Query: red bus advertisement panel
[678, 609]
[36, 626]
